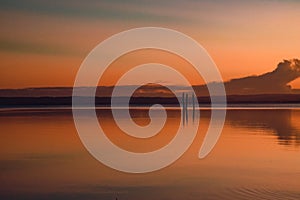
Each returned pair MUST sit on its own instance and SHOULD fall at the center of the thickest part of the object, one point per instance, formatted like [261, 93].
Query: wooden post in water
[193, 99]
[183, 108]
[186, 108]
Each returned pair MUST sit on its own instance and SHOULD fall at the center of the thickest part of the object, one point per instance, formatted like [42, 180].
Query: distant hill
[275, 82]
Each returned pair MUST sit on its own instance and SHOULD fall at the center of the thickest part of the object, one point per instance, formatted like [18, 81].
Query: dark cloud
[275, 82]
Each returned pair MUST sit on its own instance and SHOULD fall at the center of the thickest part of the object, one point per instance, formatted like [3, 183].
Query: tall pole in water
[186, 107]
[183, 108]
[193, 99]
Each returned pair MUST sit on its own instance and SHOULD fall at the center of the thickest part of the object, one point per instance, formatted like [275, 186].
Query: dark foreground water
[257, 157]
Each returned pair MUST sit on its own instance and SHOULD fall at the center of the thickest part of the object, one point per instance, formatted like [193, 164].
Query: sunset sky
[42, 43]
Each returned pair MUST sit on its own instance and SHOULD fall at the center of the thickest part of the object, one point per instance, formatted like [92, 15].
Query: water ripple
[245, 193]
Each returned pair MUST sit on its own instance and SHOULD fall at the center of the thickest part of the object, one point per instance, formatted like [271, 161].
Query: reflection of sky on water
[42, 157]
[284, 123]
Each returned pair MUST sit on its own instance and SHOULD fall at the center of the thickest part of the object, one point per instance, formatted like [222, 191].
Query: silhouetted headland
[146, 101]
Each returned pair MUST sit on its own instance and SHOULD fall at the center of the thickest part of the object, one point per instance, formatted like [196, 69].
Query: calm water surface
[257, 157]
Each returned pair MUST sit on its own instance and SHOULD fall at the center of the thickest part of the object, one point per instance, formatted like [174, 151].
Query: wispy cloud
[106, 10]
[34, 48]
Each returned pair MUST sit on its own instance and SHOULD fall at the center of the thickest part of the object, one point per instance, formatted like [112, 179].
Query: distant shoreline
[263, 99]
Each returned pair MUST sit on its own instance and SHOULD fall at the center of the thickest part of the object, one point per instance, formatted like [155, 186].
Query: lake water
[256, 157]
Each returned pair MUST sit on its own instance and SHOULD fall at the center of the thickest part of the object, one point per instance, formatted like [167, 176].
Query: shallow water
[256, 157]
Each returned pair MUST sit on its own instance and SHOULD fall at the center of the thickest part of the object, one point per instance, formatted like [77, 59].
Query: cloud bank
[275, 82]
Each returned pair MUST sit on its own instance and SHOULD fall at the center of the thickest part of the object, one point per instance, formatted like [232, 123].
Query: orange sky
[43, 43]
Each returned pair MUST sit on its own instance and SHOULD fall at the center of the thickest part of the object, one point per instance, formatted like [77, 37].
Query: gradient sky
[43, 42]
